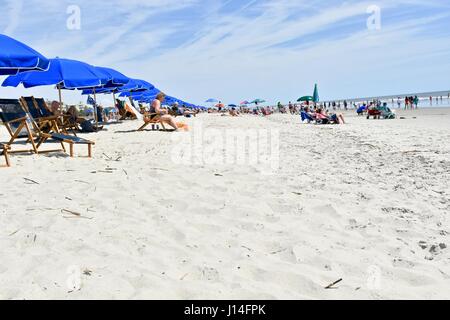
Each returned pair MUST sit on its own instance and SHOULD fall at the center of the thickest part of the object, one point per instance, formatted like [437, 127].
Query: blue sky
[244, 49]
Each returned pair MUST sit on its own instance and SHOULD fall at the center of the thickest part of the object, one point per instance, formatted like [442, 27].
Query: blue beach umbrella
[115, 81]
[16, 57]
[64, 73]
[136, 85]
[212, 100]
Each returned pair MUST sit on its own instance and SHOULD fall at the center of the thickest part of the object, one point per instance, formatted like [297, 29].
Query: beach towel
[182, 126]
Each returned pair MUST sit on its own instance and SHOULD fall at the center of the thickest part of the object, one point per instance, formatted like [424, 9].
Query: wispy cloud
[242, 49]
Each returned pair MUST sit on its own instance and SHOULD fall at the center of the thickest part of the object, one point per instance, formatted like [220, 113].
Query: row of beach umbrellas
[243, 103]
[313, 98]
[24, 65]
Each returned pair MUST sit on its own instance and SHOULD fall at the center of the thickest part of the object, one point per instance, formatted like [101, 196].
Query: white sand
[355, 202]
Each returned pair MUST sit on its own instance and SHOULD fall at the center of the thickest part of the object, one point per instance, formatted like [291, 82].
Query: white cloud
[231, 49]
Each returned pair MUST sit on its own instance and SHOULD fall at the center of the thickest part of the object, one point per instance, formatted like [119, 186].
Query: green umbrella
[306, 98]
[316, 94]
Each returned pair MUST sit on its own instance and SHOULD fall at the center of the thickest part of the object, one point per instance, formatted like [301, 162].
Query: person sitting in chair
[157, 111]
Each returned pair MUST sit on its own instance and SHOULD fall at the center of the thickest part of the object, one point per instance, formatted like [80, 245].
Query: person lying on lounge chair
[322, 117]
[86, 125]
[307, 116]
[234, 113]
[157, 111]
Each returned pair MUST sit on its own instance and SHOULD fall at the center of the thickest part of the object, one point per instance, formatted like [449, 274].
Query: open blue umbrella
[136, 85]
[116, 80]
[212, 100]
[16, 57]
[64, 73]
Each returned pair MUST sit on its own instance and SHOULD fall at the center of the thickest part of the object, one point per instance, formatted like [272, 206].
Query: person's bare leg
[170, 121]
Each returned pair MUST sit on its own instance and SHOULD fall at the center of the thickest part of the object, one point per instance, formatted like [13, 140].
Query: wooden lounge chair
[4, 149]
[46, 121]
[20, 124]
[125, 111]
[148, 120]
[64, 122]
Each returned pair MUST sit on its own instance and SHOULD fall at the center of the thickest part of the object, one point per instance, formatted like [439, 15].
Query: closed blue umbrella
[16, 57]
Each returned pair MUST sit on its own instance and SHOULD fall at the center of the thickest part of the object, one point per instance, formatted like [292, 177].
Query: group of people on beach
[410, 103]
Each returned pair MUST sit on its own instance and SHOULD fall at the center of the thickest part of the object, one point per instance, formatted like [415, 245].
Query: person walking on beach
[431, 101]
[416, 102]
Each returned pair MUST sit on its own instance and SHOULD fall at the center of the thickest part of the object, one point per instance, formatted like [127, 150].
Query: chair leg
[144, 126]
[71, 150]
[5, 153]
[35, 148]
[90, 150]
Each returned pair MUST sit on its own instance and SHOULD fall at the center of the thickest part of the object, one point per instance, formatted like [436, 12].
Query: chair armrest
[18, 120]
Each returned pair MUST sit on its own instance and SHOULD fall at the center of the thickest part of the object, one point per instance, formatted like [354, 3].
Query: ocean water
[424, 99]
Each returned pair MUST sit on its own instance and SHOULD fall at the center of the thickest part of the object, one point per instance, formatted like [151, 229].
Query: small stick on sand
[109, 158]
[330, 286]
[182, 278]
[71, 212]
[11, 234]
[32, 181]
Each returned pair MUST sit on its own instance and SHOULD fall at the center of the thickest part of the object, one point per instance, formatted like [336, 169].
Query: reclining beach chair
[20, 124]
[306, 117]
[4, 149]
[45, 121]
[64, 122]
[125, 111]
[151, 119]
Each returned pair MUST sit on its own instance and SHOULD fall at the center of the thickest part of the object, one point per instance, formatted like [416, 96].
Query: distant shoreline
[433, 94]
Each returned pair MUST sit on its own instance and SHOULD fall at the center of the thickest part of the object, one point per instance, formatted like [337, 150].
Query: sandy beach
[366, 202]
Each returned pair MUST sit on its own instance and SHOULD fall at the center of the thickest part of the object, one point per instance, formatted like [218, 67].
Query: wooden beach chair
[4, 149]
[46, 121]
[148, 120]
[64, 122]
[125, 111]
[20, 124]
